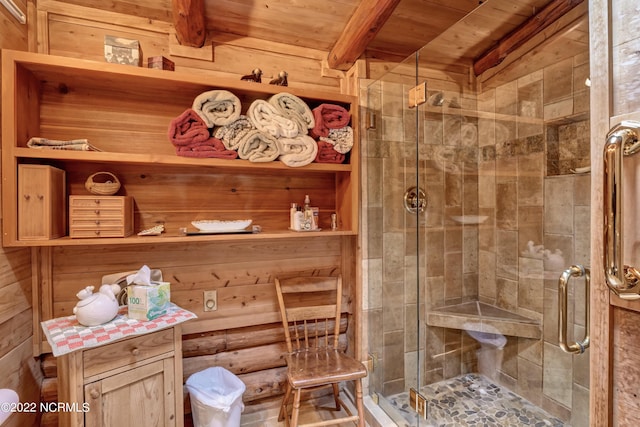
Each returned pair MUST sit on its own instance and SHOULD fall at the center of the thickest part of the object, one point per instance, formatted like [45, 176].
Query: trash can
[216, 398]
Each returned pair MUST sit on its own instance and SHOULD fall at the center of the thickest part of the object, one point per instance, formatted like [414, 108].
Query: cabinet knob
[135, 351]
[94, 394]
[97, 201]
[97, 211]
[27, 197]
[40, 196]
[97, 232]
[97, 222]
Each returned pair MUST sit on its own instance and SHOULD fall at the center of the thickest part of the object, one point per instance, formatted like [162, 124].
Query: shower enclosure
[475, 201]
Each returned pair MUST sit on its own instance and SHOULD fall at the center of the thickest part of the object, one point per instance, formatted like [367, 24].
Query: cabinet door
[140, 397]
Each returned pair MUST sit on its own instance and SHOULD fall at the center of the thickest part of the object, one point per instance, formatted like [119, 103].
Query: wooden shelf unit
[126, 111]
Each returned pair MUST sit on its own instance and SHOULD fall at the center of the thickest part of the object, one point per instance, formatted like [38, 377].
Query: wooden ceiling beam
[541, 20]
[188, 20]
[362, 27]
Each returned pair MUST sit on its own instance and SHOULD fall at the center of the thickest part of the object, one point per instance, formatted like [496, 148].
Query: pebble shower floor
[472, 400]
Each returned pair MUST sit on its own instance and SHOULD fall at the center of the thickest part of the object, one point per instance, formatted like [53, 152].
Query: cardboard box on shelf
[119, 50]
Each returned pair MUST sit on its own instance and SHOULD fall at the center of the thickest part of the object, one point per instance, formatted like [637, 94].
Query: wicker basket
[102, 184]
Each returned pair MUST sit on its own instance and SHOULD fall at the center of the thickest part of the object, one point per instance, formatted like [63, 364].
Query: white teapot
[97, 308]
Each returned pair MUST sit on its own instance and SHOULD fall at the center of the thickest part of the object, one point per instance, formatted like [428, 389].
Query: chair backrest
[310, 310]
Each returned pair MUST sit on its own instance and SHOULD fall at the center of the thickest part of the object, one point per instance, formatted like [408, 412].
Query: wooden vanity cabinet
[133, 382]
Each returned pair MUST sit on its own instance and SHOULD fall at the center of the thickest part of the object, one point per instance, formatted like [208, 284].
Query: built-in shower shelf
[481, 317]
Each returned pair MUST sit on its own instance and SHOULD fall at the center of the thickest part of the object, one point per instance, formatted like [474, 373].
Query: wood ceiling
[383, 29]
[456, 31]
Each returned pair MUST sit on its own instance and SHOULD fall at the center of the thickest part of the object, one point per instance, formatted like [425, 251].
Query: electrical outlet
[210, 300]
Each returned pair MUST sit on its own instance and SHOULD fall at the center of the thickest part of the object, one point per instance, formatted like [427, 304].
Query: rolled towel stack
[268, 119]
[283, 128]
[294, 108]
[298, 151]
[231, 134]
[217, 107]
[341, 139]
[257, 146]
[327, 154]
[327, 117]
[211, 148]
[187, 128]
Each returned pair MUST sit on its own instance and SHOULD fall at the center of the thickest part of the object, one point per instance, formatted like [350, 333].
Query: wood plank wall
[21, 371]
[244, 334]
[614, 322]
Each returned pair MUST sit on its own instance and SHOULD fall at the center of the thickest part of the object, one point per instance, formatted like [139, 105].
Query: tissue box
[148, 302]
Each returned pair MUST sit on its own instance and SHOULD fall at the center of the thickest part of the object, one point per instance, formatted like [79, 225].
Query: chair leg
[296, 408]
[336, 396]
[359, 404]
[285, 401]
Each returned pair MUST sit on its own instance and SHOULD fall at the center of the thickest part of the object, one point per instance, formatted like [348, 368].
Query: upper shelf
[169, 160]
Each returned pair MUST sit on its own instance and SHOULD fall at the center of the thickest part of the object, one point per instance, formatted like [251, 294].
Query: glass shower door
[462, 303]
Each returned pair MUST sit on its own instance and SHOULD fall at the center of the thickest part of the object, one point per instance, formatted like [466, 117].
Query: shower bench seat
[482, 317]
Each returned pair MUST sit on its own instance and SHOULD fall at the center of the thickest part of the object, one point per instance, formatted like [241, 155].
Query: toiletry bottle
[308, 214]
[298, 219]
[292, 213]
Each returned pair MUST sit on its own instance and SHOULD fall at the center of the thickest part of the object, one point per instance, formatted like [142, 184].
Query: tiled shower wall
[510, 161]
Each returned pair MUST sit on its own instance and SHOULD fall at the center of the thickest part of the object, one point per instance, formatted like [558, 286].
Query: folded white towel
[257, 146]
[268, 119]
[341, 139]
[231, 134]
[217, 107]
[298, 151]
[294, 108]
[54, 144]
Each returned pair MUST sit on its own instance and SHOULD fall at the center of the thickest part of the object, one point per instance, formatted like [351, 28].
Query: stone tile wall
[493, 157]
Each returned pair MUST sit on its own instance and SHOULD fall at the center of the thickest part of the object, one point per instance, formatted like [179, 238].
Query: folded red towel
[211, 148]
[327, 154]
[187, 128]
[329, 116]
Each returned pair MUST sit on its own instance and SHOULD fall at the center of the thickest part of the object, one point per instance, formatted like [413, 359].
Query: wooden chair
[310, 309]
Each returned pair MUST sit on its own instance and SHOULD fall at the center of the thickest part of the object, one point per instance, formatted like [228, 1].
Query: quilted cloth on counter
[65, 334]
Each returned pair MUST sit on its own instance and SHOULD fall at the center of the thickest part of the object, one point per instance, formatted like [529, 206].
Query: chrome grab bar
[622, 140]
[577, 347]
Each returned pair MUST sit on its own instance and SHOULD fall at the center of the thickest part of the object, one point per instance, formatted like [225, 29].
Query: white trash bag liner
[216, 398]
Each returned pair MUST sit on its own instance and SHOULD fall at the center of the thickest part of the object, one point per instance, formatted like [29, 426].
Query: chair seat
[314, 368]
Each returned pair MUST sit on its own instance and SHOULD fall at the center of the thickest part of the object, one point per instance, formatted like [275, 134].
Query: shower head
[437, 99]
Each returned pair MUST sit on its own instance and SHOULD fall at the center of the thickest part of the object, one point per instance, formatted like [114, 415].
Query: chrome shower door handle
[622, 140]
[577, 347]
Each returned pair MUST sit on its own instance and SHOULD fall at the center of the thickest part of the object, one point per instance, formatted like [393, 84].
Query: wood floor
[320, 409]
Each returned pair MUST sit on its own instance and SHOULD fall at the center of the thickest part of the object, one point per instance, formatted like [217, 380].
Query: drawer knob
[97, 211]
[135, 351]
[27, 197]
[97, 232]
[40, 196]
[97, 201]
[97, 222]
[94, 394]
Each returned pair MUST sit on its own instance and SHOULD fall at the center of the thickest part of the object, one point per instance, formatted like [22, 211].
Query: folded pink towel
[329, 116]
[211, 148]
[327, 154]
[187, 128]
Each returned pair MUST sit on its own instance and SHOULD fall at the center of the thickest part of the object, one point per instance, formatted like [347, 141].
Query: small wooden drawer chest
[100, 216]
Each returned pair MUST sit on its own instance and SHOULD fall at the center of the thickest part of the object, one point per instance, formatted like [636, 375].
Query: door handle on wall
[622, 140]
[577, 347]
